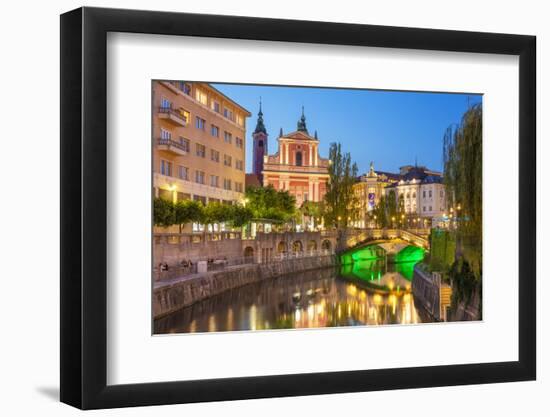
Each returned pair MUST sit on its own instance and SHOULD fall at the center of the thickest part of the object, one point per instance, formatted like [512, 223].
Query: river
[367, 292]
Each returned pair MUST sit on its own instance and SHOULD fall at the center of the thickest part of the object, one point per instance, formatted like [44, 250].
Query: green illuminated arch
[409, 254]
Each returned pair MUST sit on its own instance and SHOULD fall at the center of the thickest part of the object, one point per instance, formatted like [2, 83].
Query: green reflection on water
[409, 254]
[371, 265]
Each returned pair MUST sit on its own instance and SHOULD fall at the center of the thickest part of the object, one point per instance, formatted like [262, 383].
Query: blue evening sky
[388, 127]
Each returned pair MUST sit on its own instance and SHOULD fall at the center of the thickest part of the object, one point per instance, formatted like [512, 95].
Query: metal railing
[170, 110]
[187, 267]
[170, 142]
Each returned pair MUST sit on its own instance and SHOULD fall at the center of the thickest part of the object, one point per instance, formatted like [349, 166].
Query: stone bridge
[357, 237]
[268, 246]
[173, 248]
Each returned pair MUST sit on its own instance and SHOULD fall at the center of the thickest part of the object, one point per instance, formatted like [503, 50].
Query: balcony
[172, 146]
[172, 116]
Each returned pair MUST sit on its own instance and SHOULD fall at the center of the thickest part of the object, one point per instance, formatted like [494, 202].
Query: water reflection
[322, 298]
[379, 274]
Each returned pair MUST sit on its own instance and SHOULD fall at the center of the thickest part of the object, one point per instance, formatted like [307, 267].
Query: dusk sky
[387, 127]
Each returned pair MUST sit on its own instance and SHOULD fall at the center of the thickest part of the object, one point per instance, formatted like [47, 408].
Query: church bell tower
[259, 149]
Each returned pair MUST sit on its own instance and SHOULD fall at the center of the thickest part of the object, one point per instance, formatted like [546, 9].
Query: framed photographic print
[256, 208]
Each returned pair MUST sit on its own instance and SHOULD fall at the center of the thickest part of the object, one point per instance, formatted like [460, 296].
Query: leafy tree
[379, 213]
[187, 211]
[312, 210]
[268, 203]
[462, 159]
[166, 213]
[163, 212]
[401, 210]
[340, 200]
[392, 208]
[216, 213]
[241, 216]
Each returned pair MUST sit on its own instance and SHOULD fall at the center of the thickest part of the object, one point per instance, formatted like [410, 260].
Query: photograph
[285, 207]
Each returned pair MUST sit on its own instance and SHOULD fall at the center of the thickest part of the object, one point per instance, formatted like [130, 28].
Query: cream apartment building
[199, 144]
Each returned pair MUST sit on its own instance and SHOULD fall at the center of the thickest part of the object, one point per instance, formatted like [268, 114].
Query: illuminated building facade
[368, 190]
[297, 166]
[423, 194]
[198, 143]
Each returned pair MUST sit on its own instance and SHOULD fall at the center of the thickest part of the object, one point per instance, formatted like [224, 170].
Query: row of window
[202, 97]
[180, 196]
[214, 131]
[200, 150]
[423, 194]
[413, 209]
[167, 168]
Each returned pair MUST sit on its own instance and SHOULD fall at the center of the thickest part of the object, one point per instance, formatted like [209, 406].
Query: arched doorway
[249, 253]
[326, 245]
[297, 246]
[281, 247]
[311, 245]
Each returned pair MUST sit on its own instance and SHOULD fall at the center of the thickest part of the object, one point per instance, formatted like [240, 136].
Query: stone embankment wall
[173, 254]
[176, 295]
[426, 292]
[432, 295]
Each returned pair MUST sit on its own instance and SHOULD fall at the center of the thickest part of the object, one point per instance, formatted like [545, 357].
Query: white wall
[29, 211]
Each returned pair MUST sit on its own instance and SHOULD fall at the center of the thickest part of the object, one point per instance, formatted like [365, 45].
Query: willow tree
[462, 159]
[340, 200]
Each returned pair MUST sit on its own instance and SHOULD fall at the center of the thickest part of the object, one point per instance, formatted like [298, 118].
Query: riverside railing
[186, 267]
[198, 237]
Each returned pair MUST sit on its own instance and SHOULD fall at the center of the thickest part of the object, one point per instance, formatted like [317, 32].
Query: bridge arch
[312, 245]
[297, 246]
[249, 252]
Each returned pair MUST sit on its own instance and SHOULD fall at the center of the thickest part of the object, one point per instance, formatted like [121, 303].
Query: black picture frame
[84, 207]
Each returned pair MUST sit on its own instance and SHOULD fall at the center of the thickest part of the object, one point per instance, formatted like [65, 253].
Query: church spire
[260, 127]
[372, 172]
[302, 122]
